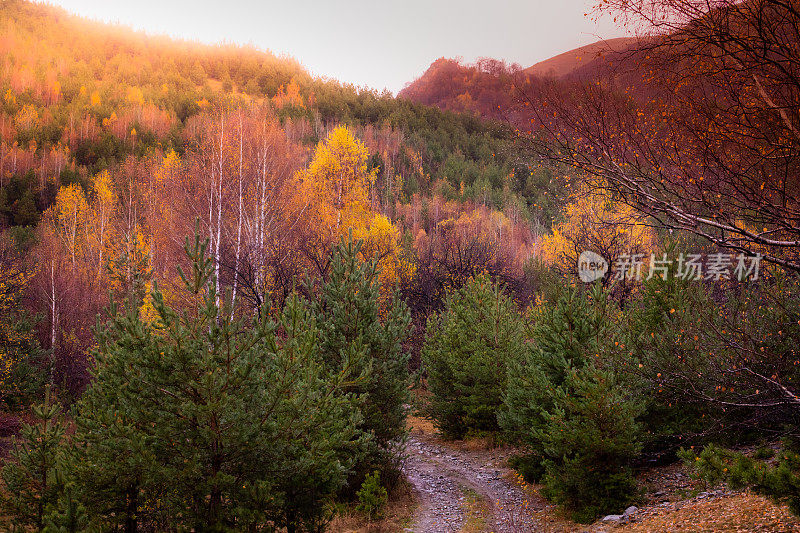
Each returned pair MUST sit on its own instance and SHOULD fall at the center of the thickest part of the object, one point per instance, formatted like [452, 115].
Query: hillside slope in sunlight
[567, 62]
[79, 97]
[113, 142]
[494, 90]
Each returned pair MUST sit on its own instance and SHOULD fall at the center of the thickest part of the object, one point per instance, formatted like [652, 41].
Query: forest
[232, 292]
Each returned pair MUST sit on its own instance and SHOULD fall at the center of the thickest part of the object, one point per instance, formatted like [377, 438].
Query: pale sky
[373, 43]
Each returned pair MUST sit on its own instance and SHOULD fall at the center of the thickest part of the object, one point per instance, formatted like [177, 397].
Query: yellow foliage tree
[26, 117]
[103, 208]
[69, 215]
[336, 182]
[594, 222]
[135, 96]
[382, 243]
[335, 187]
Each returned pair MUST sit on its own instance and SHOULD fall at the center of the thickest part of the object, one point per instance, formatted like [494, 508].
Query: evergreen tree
[565, 336]
[663, 328]
[25, 211]
[33, 476]
[201, 420]
[68, 514]
[465, 355]
[714, 365]
[356, 342]
[23, 362]
[565, 403]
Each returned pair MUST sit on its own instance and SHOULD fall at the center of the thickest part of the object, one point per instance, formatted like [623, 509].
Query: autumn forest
[236, 296]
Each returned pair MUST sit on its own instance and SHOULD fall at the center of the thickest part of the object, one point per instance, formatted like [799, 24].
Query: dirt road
[462, 489]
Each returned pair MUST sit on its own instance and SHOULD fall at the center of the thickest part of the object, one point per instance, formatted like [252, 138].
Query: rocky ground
[468, 488]
[464, 490]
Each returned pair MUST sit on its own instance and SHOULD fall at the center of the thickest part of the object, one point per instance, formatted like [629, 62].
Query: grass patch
[476, 512]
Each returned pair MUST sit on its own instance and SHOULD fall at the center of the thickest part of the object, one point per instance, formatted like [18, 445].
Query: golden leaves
[593, 221]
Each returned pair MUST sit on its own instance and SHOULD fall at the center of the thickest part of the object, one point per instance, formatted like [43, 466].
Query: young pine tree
[364, 344]
[564, 402]
[664, 326]
[33, 475]
[198, 419]
[465, 355]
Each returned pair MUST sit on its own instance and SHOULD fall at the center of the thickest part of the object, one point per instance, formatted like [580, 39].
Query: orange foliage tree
[692, 125]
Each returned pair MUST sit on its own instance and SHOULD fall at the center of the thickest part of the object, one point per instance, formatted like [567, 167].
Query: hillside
[91, 110]
[75, 91]
[492, 89]
[568, 62]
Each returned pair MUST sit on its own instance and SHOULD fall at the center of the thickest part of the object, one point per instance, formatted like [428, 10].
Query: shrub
[529, 466]
[465, 355]
[372, 496]
[765, 452]
[780, 482]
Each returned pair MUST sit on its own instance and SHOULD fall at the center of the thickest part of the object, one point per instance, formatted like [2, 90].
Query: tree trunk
[131, 511]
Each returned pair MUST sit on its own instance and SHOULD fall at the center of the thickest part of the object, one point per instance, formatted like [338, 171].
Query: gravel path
[441, 477]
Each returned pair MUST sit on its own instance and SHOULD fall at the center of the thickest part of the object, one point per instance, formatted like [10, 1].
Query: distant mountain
[568, 62]
[480, 89]
[489, 88]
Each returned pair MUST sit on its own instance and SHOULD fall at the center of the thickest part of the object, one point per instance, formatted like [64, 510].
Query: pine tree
[68, 514]
[662, 327]
[564, 336]
[465, 355]
[33, 474]
[198, 419]
[565, 403]
[25, 211]
[357, 343]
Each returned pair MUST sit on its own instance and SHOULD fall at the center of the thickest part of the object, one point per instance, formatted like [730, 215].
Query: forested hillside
[236, 297]
[83, 93]
[112, 138]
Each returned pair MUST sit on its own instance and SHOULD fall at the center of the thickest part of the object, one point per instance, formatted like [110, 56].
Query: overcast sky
[374, 43]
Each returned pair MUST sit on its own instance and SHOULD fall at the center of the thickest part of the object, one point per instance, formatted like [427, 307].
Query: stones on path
[441, 476]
